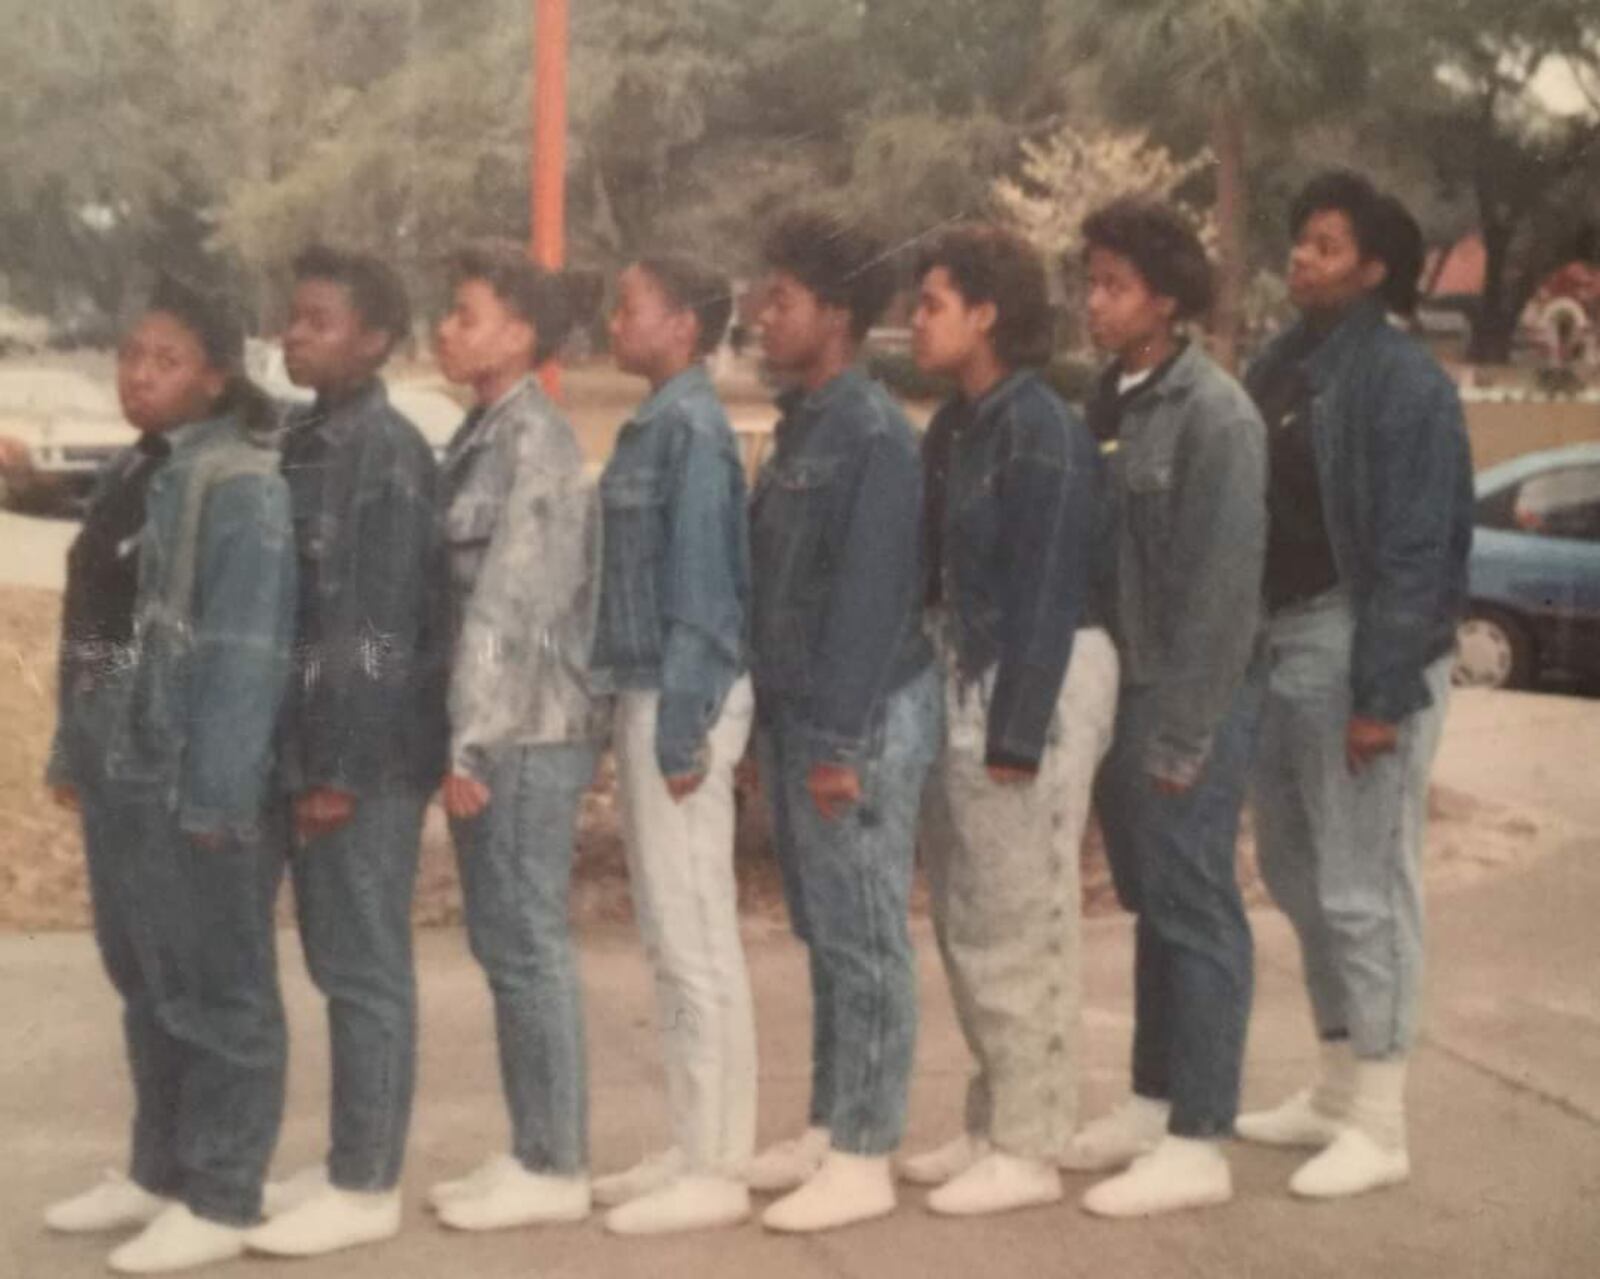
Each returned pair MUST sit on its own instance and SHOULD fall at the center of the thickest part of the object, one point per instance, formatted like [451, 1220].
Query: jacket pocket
[632, 549]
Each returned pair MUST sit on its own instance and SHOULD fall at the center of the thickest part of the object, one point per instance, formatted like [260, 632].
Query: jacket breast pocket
[632, 548]
[795, 518]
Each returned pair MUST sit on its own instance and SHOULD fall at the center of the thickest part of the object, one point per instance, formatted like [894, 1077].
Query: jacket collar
[797, 401]
[694, 380]
[1329, 355]
[193, 436]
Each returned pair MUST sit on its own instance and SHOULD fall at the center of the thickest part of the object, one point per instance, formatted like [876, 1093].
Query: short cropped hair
[1384, 228]
[375, 288]
[691, 285]
[987, 263]
[844, 265]
[1162, 246]
[536, 295]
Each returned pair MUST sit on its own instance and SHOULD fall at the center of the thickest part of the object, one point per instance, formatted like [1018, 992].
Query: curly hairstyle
[538, 296]
[1162, 246]
[844, 265]
[987, 263]
[1384, 229]
[375, 288]
[691, 285]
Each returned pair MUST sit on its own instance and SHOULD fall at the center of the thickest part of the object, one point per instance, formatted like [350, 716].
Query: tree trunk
[1494, 325]
[1228, 145]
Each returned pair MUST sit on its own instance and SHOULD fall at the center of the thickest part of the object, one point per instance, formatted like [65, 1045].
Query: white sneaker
[177, 1240]
[479, 1181]
[113, 1203]
[1352, 1164]
[1295, 1122]
[845, 1190]
[687, 1203]
[1178, 1173]
[327, 1222]
[998, 1182]
[789, 1163]
[1116, 1140]
[278, 1197]
[645, 1177]
[935, 1167]
[519, 1198]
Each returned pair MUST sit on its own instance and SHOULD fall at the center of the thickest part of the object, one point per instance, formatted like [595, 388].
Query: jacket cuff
[677, 757]
[835, 748]
[1173, 764]
[994, 758]
[198, 819]
[1390, 705]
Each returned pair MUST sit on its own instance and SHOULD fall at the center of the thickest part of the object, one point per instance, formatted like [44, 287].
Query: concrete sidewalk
[1506, 1100]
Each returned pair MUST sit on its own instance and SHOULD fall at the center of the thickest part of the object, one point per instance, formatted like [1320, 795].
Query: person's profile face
[481, 337]
[327, 344]
[947, 331]
[1326, 270]
[794, 323]
[1123, 311]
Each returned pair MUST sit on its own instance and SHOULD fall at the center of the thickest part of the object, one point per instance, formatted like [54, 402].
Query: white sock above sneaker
[846, 1189]
[1116, 1139]
[1370, 1150]
[1179, 1173]
[177, 1240]
[519, 1198]
[280, 1196]
[113, 1203]
[788, 1163]
[327, 1222]
[690, 1202]
[998, 1182]
[645, 1177]
[935, 1167]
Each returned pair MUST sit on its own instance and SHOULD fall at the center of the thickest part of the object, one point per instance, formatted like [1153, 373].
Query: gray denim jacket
[190, 708]
[1190, 477]
[523, 536]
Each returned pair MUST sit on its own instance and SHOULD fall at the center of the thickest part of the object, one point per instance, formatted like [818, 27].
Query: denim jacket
[835, 544]
[1189, 543]
[366, 709]
[1022, 512]
[523, 537]
[189, 710]
[675, 574]
[1395, 471]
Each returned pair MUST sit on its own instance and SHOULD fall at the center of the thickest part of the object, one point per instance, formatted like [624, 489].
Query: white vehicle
[58, 427]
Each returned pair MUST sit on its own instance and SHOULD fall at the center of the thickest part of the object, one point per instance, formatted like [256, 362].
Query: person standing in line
[669, 645]
[176, 628]
[1190, 492]
[1371, 506]
[1013, 484]
[848, 710]
[363, 733]
[522, 537]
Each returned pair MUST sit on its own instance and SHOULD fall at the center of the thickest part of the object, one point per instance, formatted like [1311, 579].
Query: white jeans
[680, 864]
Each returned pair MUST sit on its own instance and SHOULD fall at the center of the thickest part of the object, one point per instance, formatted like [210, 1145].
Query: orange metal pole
[549, 159]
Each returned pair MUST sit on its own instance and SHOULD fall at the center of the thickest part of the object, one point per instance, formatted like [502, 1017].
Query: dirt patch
[42, 882]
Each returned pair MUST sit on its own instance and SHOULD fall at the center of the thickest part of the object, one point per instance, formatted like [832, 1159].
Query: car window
[1561, 503]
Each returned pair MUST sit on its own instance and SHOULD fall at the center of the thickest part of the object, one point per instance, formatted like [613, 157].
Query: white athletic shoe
[1116, 1140]
[1295, 1122]
[278, 1197]
[328, 1222]
[177, 1240]
[687, 1203]
[935, 1167]
[113, 1203]
[788, 1163]
[1353, 1164]
[845, 1190]
[650, 1174]
[1178, 1173]
[519, 1198]
[479, 1181]
[997, 1183]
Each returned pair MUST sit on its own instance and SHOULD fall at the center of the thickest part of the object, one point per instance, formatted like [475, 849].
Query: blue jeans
[847, 884]
[353, 890]
[1172, 859]
[1341, 852]
[515, 860]
[187, 938]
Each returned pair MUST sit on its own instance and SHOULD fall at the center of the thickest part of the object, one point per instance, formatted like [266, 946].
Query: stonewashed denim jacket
[836, 560]
[523, 535]
[1022, 515]
[366, 710]
[1395, 471]
[190, 708]
[1189, 544]
[675, 575]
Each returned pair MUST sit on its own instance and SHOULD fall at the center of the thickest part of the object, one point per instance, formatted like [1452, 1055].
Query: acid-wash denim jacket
[189, 709]
[1022, 514]
[836, 565]
[1395, 472]
[366, 709]
[1189, 544]
[523, 535]
[675, 574]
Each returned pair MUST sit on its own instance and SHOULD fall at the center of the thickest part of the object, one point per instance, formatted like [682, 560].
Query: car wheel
[1492, 651]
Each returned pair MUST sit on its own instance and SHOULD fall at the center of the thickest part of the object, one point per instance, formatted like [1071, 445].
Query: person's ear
[524, 337]
[1166, 307]
[1372, 273]
[986, 315]
[374, 345]
[684, 325]
[213, 384]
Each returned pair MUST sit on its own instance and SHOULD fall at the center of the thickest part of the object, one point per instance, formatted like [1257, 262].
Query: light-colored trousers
[680, 868]
[1341, 852]
[1002, 864]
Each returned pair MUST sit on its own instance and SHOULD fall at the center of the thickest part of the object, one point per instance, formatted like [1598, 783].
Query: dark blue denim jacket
[190, 708]
[674, 564]
[836, 558]
[366, 710]
[1395, 471]
[1190, 491]
[1022, 512]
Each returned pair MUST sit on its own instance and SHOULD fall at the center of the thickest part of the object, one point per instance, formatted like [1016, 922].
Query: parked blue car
[1535, 571]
